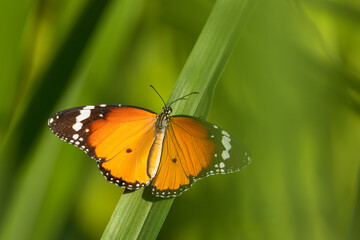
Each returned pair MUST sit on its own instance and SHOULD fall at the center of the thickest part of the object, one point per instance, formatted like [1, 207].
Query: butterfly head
[163, 118]
[166, 110]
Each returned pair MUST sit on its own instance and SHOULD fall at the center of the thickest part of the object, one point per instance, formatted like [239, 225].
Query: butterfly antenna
[158, 94]
[183, 97]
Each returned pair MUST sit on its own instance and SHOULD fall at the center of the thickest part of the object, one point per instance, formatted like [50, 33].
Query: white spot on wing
[225, 133]
[102, 105]
[51, 120]
[225, 155]
[84, 114]
[226, 143]
[75, 136]
[77, 126]
[89, 107]
[222, 165]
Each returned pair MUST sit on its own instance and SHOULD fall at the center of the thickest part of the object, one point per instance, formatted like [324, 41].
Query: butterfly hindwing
[118, 137]
[194, 149]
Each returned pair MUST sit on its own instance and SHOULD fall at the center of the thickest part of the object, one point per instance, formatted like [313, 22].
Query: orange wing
[194, 149]
[118, 137]
[187, 151]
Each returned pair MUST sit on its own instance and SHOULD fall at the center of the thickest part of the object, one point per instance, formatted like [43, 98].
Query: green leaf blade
[139, 215]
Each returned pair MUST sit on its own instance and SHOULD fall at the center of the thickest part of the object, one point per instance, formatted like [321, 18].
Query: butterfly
[135, 147]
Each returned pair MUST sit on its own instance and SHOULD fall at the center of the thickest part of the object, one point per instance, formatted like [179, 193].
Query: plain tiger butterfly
[135, 147]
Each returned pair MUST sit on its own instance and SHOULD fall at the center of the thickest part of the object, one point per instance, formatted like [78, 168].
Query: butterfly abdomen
[155, 152]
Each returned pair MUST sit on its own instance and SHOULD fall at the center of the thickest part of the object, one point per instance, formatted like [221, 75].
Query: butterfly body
[161, 124]
[135, 147]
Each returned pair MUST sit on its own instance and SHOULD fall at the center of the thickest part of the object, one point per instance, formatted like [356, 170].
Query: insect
[135, 147]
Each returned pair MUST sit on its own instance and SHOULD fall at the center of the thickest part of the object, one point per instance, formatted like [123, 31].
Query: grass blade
[139, 214]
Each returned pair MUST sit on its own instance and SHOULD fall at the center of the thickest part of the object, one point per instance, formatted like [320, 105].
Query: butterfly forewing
[72, 125]
[194, 149]
[229, 156]
[119, 137]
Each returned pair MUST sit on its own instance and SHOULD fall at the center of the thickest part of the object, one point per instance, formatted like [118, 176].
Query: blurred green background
[290, 93]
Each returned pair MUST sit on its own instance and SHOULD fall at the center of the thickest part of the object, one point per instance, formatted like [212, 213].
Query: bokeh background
[290, 93]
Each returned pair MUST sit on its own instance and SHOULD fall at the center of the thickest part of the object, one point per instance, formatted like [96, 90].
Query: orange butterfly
[134, 147]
